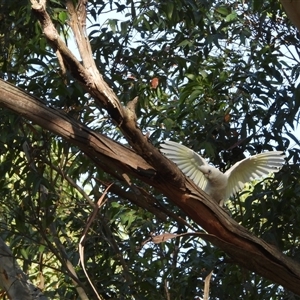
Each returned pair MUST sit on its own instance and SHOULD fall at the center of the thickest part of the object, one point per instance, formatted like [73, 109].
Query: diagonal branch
[89, 76]
[145, 200]
[78, 25]
[246, 249]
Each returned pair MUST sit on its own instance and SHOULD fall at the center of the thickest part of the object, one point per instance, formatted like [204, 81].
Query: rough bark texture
[246, 249]
[13, 280]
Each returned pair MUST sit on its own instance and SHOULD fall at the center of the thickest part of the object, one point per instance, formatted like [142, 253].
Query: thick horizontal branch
[94, 144]
[246, 249]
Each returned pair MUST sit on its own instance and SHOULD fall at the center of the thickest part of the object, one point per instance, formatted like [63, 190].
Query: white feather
[187, 160]
[218, 185]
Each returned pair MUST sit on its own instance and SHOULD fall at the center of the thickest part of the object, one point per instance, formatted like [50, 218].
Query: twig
[206, 286]
[91, 218]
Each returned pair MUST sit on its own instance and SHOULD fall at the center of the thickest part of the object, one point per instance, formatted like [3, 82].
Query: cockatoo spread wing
[252, 167]
[187, 161]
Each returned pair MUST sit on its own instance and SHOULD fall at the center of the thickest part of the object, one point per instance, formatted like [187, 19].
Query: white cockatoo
[220, 186]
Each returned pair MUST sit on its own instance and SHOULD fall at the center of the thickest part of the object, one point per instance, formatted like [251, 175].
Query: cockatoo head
[208, 172]
[216, 182]
[213, 175]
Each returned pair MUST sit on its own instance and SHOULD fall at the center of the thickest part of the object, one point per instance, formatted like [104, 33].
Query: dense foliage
[219, 76]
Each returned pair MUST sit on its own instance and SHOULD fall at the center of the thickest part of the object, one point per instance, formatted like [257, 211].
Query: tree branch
[247, 250]
[13, 280]
[292, 8]
[103, 95]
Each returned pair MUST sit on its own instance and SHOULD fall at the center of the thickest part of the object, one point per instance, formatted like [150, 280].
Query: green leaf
[231, 17]
[113, 24]
[170, 10]
[24, 253]
[222, 10]
[124, 27]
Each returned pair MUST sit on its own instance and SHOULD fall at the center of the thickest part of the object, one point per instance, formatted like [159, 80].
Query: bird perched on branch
[220, 186]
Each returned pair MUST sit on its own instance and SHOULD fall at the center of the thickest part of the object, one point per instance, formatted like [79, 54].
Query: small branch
[119, 255]
[206, 286]
[78, 25]
[131, 106]
[39, 8]
[110, 240]
[63, 70]
[89, 75]
[70, 181]
[143, 199]
[90, 220]
[167, 290]
[64, 258]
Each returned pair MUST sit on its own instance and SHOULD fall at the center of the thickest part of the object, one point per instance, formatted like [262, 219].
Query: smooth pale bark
[246, 249]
